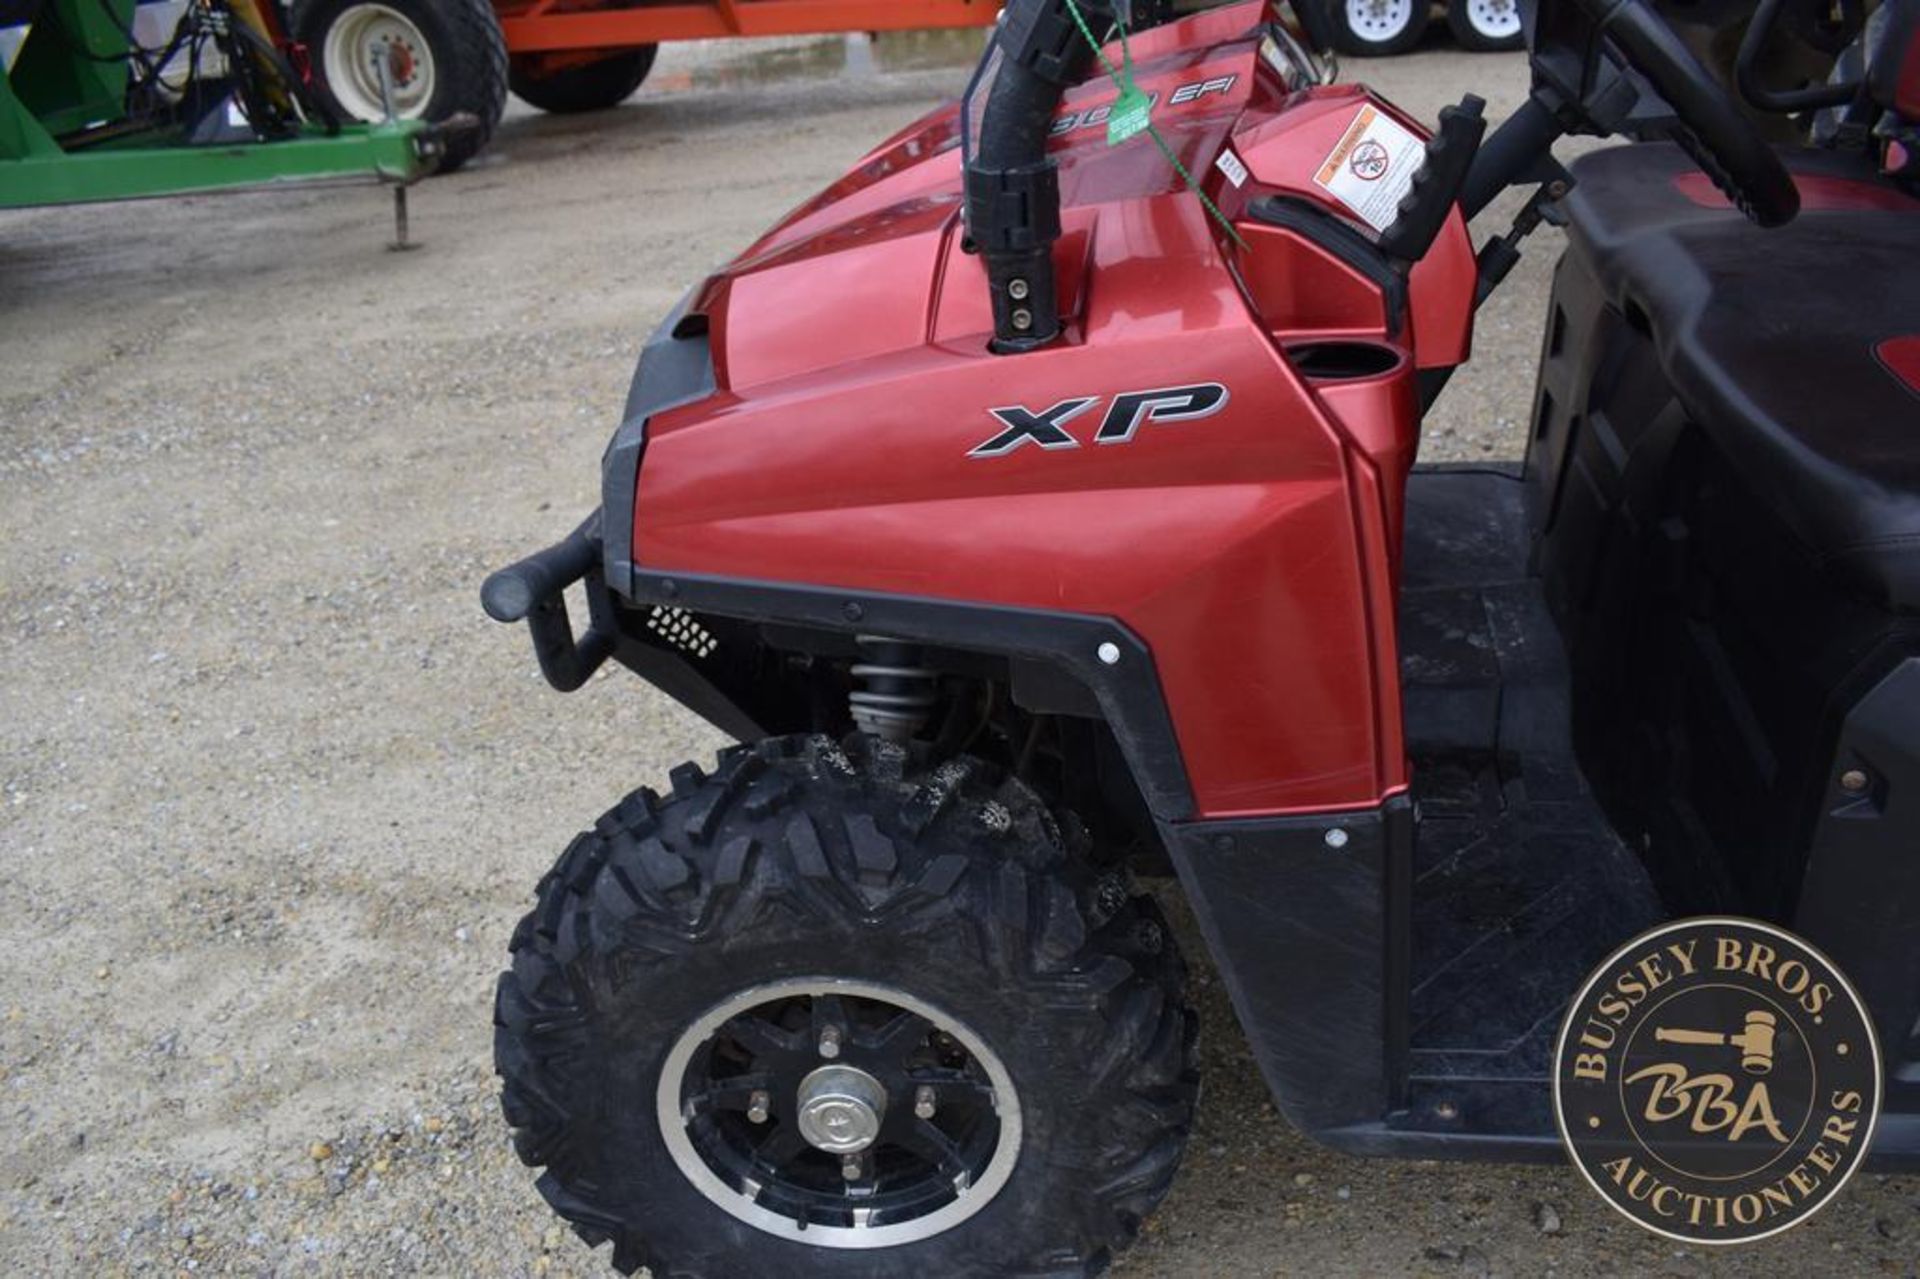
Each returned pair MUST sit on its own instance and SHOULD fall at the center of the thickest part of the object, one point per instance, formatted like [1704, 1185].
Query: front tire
[689, 957]
[599, 85]
[1486, 26]
[1379, 28]
[444, 58]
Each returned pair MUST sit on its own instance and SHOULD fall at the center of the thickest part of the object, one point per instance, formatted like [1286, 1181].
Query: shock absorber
[893, 695]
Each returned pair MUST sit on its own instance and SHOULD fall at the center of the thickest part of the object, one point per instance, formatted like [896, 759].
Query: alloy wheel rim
[839, 1113]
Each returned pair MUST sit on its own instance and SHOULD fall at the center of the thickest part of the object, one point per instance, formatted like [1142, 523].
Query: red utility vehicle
[1034, 527]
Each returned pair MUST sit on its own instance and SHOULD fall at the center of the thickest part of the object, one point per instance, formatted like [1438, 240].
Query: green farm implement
[87, 112]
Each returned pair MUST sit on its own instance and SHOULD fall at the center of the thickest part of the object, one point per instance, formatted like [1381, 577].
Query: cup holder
[1343, 361]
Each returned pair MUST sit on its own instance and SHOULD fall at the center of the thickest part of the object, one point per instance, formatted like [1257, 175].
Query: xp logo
[1717, 1080]
[1126, 415]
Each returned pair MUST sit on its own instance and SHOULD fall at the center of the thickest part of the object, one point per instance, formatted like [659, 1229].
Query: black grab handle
[533, 591]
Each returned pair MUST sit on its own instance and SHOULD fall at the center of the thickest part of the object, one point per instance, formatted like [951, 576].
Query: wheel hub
[401, 62]
[1379, 20]
[841, 1109]
[1495, 19]
[373, 55]
[839, 1113]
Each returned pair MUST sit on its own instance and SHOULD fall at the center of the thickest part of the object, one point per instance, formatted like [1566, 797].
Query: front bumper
[534, 591]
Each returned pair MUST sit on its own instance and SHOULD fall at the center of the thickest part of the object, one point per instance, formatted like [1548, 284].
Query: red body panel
[1906, 92]
[1254, 551]
[1902, 358]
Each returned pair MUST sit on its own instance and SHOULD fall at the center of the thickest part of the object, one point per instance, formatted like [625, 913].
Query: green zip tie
[1133, 113]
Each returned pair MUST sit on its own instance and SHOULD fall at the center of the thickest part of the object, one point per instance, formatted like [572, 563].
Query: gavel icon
[1755, 1042]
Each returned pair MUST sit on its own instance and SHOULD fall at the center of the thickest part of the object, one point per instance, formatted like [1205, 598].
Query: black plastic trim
[1510, 154]
[676, 367]
[671, 673]
[1308, 930]
[1128, 690]
[1861, 887]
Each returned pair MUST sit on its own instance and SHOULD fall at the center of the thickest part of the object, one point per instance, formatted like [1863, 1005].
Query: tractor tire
[449, 54]
[1486, 26]
[689, 957]
[1379, 28]
[586, 86]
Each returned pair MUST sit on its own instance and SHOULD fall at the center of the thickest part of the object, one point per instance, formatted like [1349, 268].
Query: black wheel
[585, 86]
[442, 57]
[1486, 26]
[1379, 28]
[834, 1012]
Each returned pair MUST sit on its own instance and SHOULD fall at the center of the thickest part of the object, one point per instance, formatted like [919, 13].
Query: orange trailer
[438, 59]
[538, 26]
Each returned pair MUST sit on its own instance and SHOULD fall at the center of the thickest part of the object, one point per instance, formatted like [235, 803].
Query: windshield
[1105, 18]
[1293, 59]
[973, 107]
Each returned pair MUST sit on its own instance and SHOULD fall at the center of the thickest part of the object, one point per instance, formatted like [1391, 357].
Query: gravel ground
[272, 792]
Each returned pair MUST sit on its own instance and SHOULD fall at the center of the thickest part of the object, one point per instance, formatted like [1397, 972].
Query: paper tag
[1132, 112]
[1372, 166]
[1230, 164]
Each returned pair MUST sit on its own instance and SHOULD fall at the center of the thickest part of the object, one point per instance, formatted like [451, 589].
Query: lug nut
[1853, 781]
[923, 1101]
[830, 1041]
[850, 1168]
[759, 1106]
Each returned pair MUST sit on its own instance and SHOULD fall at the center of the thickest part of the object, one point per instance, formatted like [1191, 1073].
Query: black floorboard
[1520, 886]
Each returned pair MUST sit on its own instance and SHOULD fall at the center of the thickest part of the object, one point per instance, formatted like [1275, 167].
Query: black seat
[1796, 349]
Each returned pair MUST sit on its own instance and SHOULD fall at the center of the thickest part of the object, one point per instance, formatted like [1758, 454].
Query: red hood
[874, 260]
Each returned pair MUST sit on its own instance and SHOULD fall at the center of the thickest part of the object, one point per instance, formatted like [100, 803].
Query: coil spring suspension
[893, 697]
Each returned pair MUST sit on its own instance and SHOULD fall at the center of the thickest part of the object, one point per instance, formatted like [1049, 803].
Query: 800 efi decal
[1129, 411]
[1097, 117]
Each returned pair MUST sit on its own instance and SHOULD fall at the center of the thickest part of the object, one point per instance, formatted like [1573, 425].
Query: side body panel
[1216, 565]
[1253, 550]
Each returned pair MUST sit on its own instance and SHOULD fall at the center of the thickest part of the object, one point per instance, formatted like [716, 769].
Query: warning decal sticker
[1372, 166]
[1230, 164]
